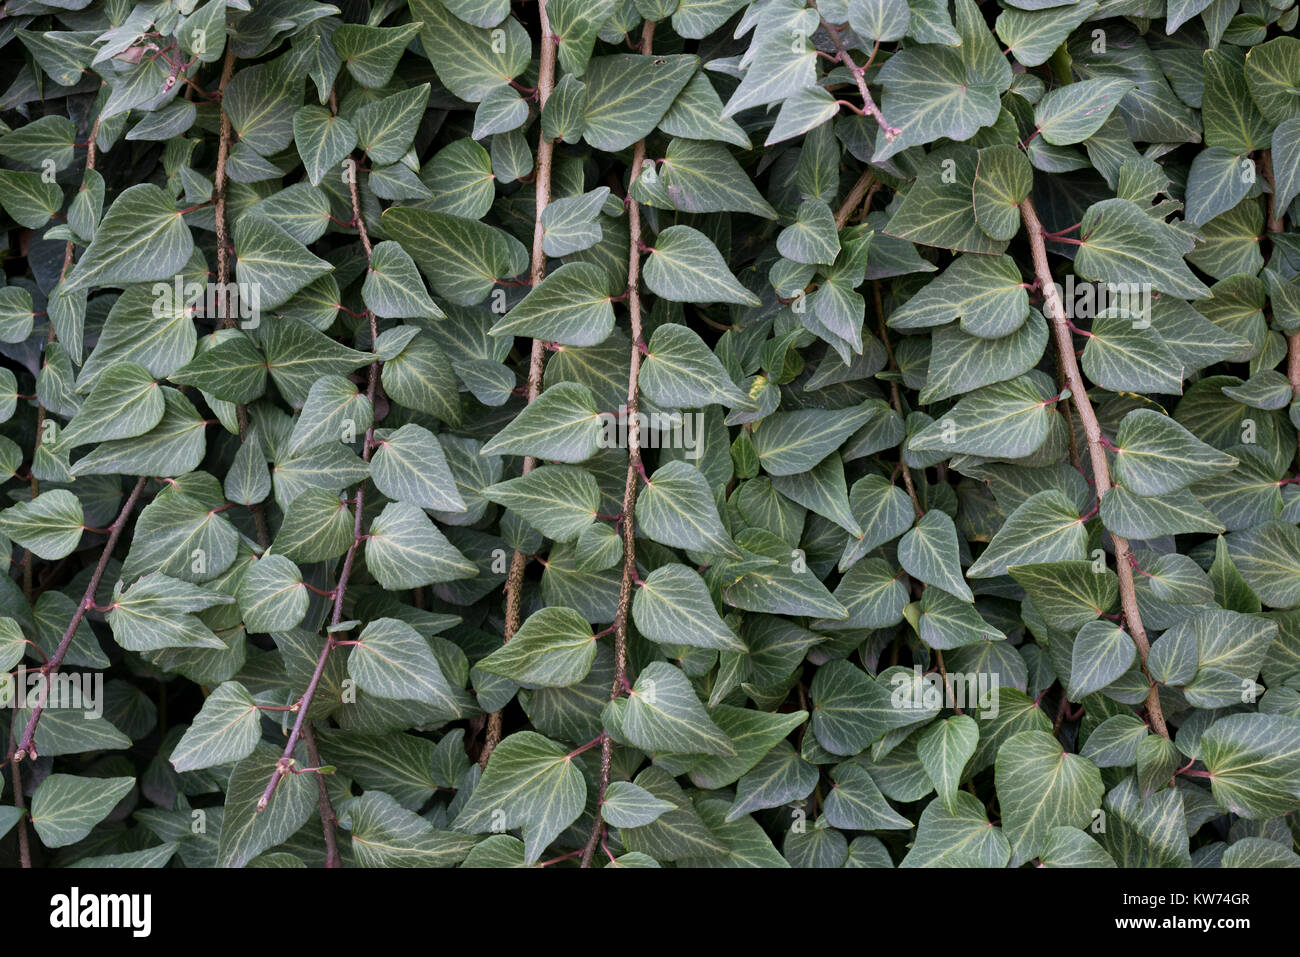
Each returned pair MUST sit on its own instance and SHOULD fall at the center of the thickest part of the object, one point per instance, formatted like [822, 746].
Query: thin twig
[856, 195]
[1096, 450]
[328, 819]
[537, 357]
[224, 319]
[634, 467]
[20, 802]
[285, 764]
[25, 746]
[869, 107]
[219, 179]
[895, 398]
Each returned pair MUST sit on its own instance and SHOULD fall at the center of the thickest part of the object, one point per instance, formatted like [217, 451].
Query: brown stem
[219, 181]
[285, 764]
[856, 195]
[20, 802]
[1060, 712]
[947, 682]
[225, 320]
[1096, 449]
[537, 357]
[328, 819]
[868, 104]
[895, 398]
[1274, 214]
[634, 467]
[25, 747]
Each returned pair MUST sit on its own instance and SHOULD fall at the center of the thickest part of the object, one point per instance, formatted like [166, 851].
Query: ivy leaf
[1003, 178]
[260, 102]
[1254, 764]
[1068, 594]
[142, 237]
[560, 501]
[939, 208]
[627, 805]
[386, 128]
[1071, 847]
[680, 371]
[929, 553]
[944, 749]
[788, 443]
[812, 238]
[663, 714]
[703, 177]
[534, 783]
[232, 368]
[696, 113]
[1273, 75]
[173, 447]
[270, 260]
[960, 838]
[371, 53]
[392, 660]
[227, 728]
[677, 509]
[554, 648]
[673, 607]
[272, 595]
[962, 363]
[393, 288]
[1102, 653]
[1046, 527]
[409, 466]
[66, 808]
[1005, 420]
[30, 200]
[50, 525]
[855, 803]
[852, 709]
[316, 527]
[1041, 786]
[882, 510]
[1286, 157]
[628, 94]
[323, 139]
[930, 93]
[1215, 184]
[245, 833]
[571, 306]
[296, 355]
[883, 20]
[1072, 113]
[984, 292]
[385, 834]
[405, 550]
[1122, 244]
[562, 425]
[1154, 454]
[158, 612]
[463, 258]
[334, 411]
[1231, 118]
[684, 266]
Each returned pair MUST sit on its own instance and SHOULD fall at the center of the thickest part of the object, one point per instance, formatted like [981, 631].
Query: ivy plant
[639, 433]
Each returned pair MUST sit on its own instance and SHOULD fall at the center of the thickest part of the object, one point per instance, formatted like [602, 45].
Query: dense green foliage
[651, 432]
